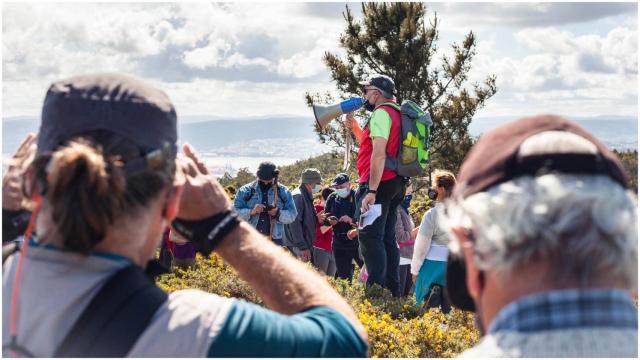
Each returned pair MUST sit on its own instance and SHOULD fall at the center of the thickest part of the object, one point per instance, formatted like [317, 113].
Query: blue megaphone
[324, 114]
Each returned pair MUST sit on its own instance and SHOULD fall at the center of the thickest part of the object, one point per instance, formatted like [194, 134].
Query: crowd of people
[536, 235]
[324, 231]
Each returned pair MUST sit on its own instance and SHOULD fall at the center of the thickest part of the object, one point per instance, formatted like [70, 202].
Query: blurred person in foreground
[106, 184]
[546, 243]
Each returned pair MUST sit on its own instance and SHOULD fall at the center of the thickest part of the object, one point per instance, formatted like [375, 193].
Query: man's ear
[475, 281]
[173, 203]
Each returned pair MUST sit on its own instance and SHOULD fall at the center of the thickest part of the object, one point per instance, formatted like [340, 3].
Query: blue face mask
[317, 188]
[406, 202]
[343, 193]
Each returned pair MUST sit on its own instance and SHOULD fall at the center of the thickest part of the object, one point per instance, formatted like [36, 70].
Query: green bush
[396, 327]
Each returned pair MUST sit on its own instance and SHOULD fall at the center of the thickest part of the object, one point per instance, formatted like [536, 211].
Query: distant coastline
[229, 145]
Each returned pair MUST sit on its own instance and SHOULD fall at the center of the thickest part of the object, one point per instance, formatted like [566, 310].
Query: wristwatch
[371, 191]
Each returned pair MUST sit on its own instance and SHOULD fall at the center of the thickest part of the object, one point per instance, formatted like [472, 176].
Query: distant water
[242, 152]
[218, 165]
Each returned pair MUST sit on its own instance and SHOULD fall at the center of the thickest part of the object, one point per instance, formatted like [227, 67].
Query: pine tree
[393, 39]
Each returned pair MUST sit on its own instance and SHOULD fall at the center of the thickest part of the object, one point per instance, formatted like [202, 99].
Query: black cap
[495, 159]
[381, 82]
[115, 102]
[340, 179]
[266, 171]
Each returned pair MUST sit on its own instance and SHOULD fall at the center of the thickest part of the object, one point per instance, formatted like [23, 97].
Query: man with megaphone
[379, 185]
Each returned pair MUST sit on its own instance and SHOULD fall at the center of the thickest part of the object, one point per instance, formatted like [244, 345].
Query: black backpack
[114, 319]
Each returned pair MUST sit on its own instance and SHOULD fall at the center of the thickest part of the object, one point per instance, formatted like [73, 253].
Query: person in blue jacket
[254, 203]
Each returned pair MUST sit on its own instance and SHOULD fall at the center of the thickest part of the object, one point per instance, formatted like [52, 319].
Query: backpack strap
[115, 318]
[391, 162]
[252, 192]
[390, 104]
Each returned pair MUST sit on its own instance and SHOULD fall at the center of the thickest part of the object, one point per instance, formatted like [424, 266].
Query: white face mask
[317, 188]
[343, 193]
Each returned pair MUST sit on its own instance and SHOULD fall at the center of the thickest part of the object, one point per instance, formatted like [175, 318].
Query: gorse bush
[396, 327]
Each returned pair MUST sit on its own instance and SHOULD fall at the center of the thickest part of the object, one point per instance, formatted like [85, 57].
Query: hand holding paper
[368, 217]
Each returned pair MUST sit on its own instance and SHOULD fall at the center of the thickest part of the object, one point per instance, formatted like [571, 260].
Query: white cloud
[565, 73]
[523, 14]
[238, 60]
[306, 64]
[207, 56]
[548, 40]
[253, 59]
[621, 47]
[617, 52]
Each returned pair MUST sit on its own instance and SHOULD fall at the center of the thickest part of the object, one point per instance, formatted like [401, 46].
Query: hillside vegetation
[396, 327]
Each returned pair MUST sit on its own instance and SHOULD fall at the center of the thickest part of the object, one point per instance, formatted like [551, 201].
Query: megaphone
[324, 114]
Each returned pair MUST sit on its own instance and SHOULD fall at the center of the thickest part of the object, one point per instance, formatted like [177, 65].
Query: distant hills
[618, 132]
[293, 136]
[208, 135]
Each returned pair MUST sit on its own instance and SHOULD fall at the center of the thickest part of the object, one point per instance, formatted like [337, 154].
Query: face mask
[265, 187]
[368, 106]
[317, 188]
[343, 193]
[406, 202]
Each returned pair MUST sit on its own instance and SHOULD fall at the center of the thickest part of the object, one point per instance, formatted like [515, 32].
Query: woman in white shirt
[429, 261]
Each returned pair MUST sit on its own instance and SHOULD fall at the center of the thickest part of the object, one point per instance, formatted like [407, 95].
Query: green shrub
[396, 327]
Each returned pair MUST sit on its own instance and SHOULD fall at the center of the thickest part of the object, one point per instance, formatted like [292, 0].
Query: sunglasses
[365, 90]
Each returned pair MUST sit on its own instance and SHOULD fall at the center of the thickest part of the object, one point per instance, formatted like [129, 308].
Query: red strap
[13, 317]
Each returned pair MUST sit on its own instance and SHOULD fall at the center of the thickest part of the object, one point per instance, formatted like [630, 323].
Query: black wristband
[207, 233]
[372, 191]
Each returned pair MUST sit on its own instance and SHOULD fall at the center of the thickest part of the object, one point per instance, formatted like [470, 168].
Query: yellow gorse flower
[396, 327]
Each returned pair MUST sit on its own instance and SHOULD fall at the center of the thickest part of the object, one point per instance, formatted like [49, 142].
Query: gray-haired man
[546, 251]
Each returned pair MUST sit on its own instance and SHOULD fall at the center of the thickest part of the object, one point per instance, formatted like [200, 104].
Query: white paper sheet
[367, 218]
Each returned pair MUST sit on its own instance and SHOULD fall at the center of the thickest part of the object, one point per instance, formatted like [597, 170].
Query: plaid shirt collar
[563, 309]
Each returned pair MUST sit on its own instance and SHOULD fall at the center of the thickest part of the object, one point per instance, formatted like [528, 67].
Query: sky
[243, 59]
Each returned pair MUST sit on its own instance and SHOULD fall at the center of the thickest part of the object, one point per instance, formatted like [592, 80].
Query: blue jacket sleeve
[289, 212]
[253, 331]
[241, 205]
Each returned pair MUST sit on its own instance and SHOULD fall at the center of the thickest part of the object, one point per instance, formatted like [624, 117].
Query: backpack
[115, 317]
[413, 147]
